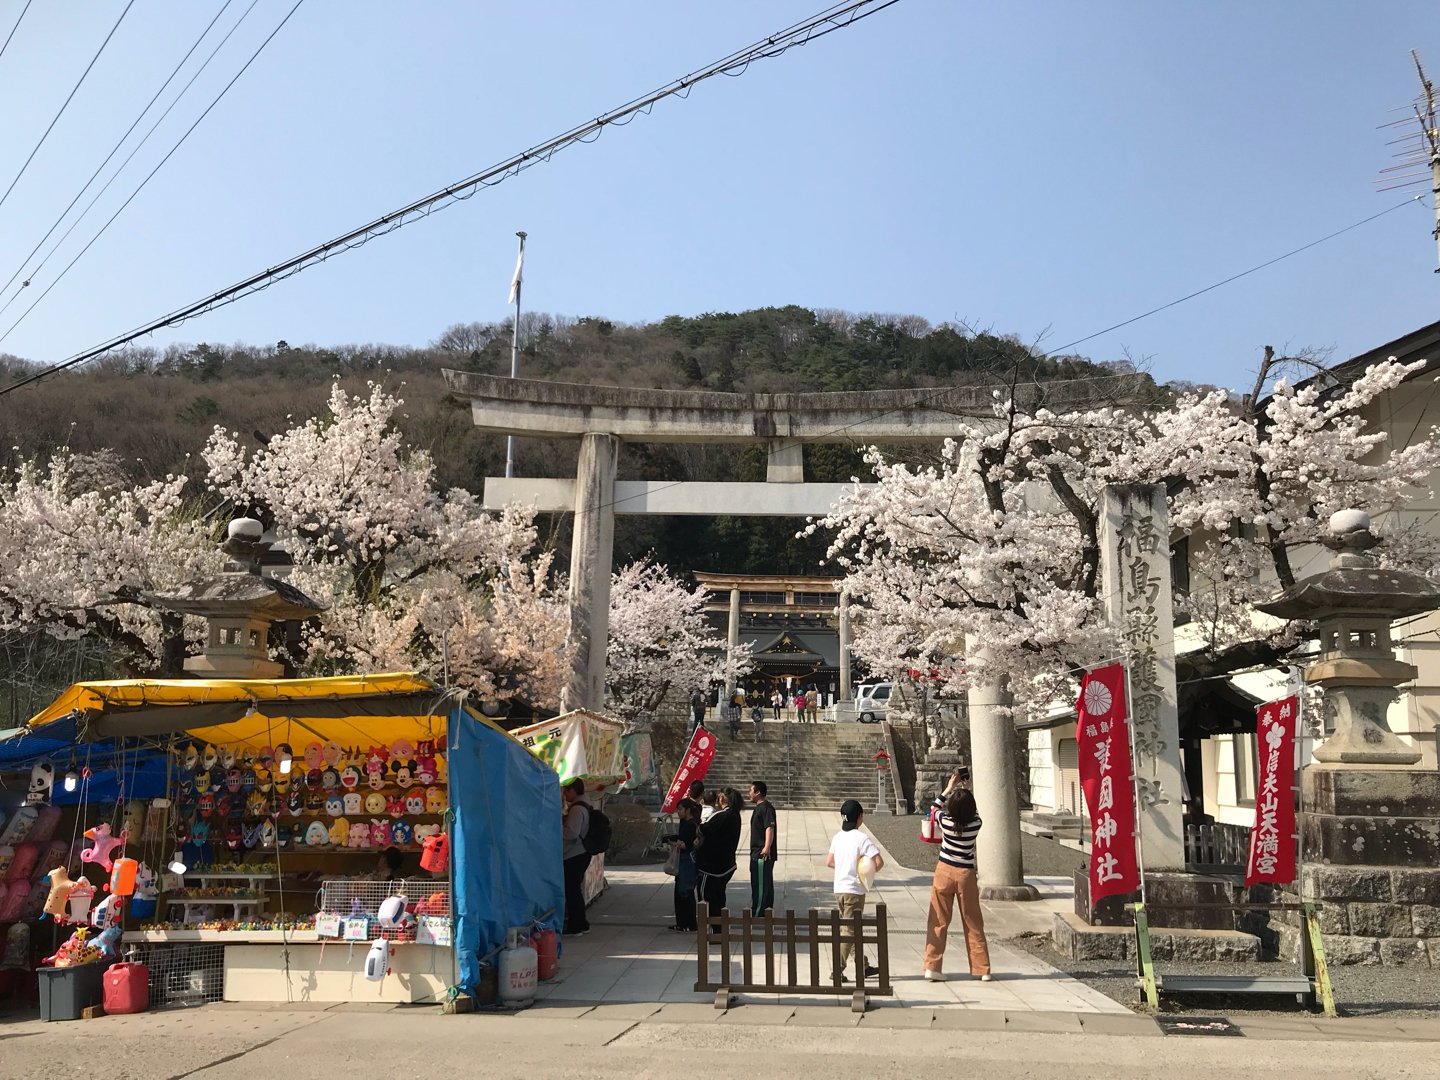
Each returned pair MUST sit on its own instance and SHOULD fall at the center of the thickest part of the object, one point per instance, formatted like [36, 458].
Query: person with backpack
[757, 717]
[576, 856]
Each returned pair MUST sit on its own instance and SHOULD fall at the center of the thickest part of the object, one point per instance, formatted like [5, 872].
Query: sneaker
[986, 978]
[933, 976]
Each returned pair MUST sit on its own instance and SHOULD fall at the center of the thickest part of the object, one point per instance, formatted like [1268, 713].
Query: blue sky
[1045, 169]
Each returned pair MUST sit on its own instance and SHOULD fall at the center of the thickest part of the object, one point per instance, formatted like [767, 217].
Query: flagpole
[1297, 792]
[515, 349]
[1134, 781]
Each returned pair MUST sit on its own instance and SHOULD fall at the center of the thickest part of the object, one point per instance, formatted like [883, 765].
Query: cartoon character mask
[224, 806]
[314, 802]
[349, 777]
[314, 759]
[395, 805]
[317, 835]
[340, 832]
[329, 779]
[401, 834]
[295, 802]
[206, 803]
[415, 804]
[284, 836]
[380, 832]
[401, 750]
[374, 803]
[404, 773]
[202, 781]
[248, 780]
[256, 804]
[234, 780]
[251, 836]
[334, 806]
[234, 838]
[434, 801]
[313, 778]
[332, 753]
[354, 803]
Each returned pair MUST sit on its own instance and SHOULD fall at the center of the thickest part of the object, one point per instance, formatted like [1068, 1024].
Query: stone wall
[1370, 841]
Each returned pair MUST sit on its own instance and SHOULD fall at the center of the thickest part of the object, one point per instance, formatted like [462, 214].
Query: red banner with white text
[693, 766]
[1103, 734]
[1272, 837]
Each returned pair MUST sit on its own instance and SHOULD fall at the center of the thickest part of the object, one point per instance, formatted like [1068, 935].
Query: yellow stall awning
[350, 709]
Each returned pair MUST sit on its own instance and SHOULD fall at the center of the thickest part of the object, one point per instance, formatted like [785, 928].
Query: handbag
[930, 827]
[672, 864]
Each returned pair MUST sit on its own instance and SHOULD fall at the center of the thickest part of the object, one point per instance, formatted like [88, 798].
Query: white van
[872, 701]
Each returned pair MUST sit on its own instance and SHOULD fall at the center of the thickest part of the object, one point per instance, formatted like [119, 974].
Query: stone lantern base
[1370, 851]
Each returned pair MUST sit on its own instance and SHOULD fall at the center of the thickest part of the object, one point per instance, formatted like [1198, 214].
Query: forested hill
[142, 412]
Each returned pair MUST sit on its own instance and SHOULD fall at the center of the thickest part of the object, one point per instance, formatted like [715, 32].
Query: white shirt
[849, 848]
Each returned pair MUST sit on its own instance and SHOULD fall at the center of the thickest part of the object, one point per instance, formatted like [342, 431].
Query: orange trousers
[951, 884]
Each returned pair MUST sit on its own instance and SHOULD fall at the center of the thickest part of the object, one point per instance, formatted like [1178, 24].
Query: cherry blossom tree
[660, 640]
[415, 578]
[998, 542]
[78, 547]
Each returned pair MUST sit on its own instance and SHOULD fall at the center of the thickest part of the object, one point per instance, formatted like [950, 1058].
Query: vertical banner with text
[693, 766]
[1272, 837]
[1103, 735]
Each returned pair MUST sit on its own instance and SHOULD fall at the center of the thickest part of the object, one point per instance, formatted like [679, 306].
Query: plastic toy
[256, 804]
[75, 951]
[284, 837]
[415, 804]
[81, 893]
[101, 845]
[380, 832]
[42, 779]
[248, 780]
[436, 854]
[340, 832]
[234, 780]
[335, 805]
[375, 760]
[434, 801]
[330, 779]
[206, 805]
[234, 837]
[374, 803]
[315, 802]
[426, 832]
[317, 835]
[106, 912]
[404, 773]
[20, 825]
[377, 961]
[401, 750]
[395, 805]
[268, 833]
[331, 752]
[425, 767]
[349, 777]
[250, 835]
[133, 821]
[23, 859]
[401, 834]
[202, 781]
[359, 836]
[59, 892]
[227, 758]
[109, 943]
[295, 802]
[224, 806]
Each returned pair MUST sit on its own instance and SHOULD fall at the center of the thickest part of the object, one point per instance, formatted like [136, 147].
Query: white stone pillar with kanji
[1136, 587]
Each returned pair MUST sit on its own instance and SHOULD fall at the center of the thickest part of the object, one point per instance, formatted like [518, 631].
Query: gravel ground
[1359, 991]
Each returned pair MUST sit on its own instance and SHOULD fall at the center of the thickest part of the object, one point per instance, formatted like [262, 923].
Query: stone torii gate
[602, 417]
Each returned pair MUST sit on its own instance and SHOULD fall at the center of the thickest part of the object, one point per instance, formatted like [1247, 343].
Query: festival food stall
[270, 809]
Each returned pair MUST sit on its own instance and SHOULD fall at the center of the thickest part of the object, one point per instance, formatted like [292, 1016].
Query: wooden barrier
[781, 938]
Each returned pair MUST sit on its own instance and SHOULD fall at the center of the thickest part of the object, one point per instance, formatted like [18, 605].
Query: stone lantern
[239, 604]
[1353, 605]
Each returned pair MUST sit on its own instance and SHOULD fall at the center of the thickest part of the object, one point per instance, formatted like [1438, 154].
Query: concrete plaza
[631, 956]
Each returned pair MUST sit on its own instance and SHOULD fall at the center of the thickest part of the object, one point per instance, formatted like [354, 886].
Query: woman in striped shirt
[955, 880]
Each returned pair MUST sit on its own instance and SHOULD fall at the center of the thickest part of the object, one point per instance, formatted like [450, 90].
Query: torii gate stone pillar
[1136, 583]
[591, 558]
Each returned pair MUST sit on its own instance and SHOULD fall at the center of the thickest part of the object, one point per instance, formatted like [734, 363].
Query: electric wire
[18, 21]
[73, 91]
[99, 168]
[837, 17]
[161, 164]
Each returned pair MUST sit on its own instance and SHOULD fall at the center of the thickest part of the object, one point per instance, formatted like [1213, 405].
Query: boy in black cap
[847, 848]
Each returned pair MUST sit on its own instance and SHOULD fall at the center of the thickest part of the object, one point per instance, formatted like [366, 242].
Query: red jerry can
[547, 948]
[436, 854]
[127, 988]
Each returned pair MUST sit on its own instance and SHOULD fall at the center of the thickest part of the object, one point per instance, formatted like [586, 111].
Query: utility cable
[834, 18]
[74, 90]
[15, 27]
[60, 276]
[116, 149]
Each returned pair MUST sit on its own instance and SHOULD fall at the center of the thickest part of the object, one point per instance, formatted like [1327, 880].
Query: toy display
[76, 950]
[80, 895]
[59, 893]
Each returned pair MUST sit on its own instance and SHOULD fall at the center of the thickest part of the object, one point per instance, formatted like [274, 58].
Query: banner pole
[1134, 780]
[1297, 791]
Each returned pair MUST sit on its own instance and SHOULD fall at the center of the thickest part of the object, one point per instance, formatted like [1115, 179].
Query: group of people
[805, 703]
[706, 845]
[708, 838]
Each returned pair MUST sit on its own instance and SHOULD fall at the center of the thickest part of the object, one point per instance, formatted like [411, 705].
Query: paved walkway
[630, 957]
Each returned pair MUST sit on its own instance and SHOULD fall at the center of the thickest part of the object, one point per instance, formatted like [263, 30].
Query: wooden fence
[779, 953]
[1217, 848]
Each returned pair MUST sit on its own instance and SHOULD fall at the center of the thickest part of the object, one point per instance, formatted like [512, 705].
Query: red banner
[1272, 837]
[693, 766]
[1103, 735]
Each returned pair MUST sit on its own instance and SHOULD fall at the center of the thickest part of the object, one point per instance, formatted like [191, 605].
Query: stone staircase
[806, 766]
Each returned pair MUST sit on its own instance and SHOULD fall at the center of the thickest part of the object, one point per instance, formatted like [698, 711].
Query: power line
[74, 90]
[99, 168]
[60, 276]
[15, 27]
[828, 21]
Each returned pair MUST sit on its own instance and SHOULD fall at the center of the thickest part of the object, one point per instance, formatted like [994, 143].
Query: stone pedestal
[1370, 851]
[1177, 899]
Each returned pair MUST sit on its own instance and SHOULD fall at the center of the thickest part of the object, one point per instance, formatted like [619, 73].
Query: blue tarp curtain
[505, 841]
[140, 771]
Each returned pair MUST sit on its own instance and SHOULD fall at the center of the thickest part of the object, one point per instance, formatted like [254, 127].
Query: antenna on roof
[1419, 148]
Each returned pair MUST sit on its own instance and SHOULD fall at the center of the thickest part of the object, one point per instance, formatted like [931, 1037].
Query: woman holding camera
[955, 881]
